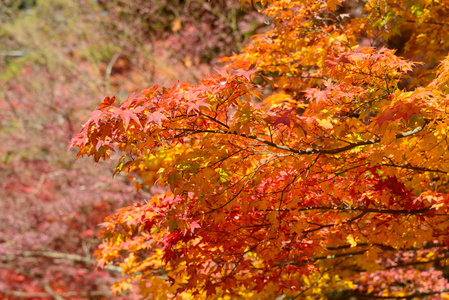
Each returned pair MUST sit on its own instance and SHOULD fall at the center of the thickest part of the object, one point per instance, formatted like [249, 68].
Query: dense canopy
[315, 165]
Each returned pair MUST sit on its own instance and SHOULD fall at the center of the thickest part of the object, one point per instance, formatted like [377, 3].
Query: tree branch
[308, 150]
[59, 255]
[418, 295]
[21, 294]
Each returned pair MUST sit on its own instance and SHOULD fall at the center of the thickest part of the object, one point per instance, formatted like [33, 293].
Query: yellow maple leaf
[351, 240]
[333, 3]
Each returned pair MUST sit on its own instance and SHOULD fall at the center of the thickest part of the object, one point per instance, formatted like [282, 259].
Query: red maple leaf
[107, 102]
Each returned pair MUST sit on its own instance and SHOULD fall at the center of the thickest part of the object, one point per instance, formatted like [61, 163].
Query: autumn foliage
[314, 166]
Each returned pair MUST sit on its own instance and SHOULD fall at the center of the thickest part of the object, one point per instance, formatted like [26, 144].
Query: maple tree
[314, 166]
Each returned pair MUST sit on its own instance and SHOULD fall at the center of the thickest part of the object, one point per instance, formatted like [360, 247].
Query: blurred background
[58, 60]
